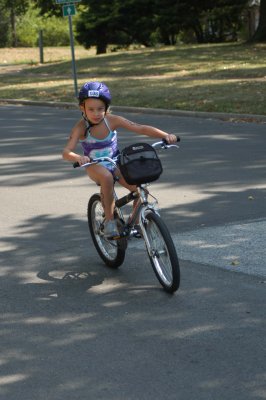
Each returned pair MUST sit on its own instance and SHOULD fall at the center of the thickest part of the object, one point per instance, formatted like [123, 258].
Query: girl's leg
[122, 181]
[131, 188]
[104, 178]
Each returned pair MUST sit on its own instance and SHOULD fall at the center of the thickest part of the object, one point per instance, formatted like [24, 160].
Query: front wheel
[110, 251]
[162, 253]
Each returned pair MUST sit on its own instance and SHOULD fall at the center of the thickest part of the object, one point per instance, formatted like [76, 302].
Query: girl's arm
[147, 130]
[69, 150]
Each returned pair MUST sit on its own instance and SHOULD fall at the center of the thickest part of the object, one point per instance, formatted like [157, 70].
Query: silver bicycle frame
[142, 210]
[144, 205]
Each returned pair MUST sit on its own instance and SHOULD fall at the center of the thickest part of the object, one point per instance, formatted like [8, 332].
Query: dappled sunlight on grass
[20, 55]
[217, 77]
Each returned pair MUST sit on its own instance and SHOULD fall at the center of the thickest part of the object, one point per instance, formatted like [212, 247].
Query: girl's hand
[83, 160]
[171, 139]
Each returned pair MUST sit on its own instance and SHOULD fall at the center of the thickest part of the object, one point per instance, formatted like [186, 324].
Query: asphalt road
[72, 329]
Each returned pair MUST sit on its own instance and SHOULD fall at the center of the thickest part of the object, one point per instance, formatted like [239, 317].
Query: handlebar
[97, 161]
[162, 143]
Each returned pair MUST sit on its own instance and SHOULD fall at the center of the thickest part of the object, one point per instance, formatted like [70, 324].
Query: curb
[158, 111]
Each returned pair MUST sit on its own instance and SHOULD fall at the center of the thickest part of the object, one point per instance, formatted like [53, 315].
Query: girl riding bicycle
[96, 132]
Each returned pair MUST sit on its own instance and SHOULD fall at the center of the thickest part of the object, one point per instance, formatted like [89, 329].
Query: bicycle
[144, 223]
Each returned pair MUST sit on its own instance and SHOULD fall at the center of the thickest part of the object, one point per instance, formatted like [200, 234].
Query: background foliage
[126, 22]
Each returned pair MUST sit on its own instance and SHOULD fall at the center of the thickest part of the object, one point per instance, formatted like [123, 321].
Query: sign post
[69, 10]
[41, 45]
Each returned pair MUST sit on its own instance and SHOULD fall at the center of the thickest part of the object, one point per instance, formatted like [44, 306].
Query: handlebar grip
[76, 165]
[177, 139]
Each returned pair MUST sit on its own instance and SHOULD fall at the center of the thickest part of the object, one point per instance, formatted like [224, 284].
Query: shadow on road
[217, 175]
[71, 328]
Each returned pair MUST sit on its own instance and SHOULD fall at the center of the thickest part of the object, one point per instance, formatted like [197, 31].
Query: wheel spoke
[109, 248]
[112, 255]
[163, 255]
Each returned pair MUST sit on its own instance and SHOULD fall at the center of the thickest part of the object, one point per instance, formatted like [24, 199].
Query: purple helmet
[96, 90]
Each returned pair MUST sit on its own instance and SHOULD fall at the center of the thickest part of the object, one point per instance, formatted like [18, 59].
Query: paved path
[72, 329]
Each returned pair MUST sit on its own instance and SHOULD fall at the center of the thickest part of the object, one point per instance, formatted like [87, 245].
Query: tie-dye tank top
[106, 147]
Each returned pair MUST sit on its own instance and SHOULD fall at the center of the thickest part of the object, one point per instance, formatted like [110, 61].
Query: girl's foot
[110, 229]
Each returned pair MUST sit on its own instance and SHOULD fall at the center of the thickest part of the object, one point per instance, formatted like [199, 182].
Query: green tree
[96, 24]
[14, 8]
[28, 27]
[260, 34]
[115, 21]
[55, 29]
[168, 21]
[223, 21]
[211, 21]
[4, 25]
[48, 7]
[136, 20]
[123, 22]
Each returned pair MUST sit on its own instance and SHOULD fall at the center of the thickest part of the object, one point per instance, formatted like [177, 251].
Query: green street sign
[68, 10]
[66, 1]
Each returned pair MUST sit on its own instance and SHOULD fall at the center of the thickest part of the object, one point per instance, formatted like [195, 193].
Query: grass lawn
[216, 77]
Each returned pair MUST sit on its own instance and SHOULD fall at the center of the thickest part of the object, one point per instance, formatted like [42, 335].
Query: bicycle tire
[164, 259]
[110, 251]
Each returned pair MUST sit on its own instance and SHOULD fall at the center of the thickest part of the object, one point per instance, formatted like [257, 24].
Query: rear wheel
[112, 252]
[163, 256]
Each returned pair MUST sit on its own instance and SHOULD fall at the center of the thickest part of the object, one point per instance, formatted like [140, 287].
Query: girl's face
[94, 110]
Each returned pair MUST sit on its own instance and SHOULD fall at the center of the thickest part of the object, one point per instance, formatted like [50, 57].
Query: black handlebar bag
[139, 163]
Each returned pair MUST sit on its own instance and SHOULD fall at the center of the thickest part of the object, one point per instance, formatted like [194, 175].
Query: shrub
[55, 29]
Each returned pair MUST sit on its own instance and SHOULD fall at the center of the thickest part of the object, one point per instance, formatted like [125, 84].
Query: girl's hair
[95, 90]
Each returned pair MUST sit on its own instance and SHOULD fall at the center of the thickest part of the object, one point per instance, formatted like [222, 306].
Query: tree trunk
[101, 40]
[13, 26]
[101, 47]
[260, 34]
[197, 28]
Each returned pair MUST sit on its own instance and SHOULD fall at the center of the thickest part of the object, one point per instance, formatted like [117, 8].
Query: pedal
[136, 232]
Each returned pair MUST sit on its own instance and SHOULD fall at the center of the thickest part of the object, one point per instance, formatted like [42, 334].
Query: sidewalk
[235, 247]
